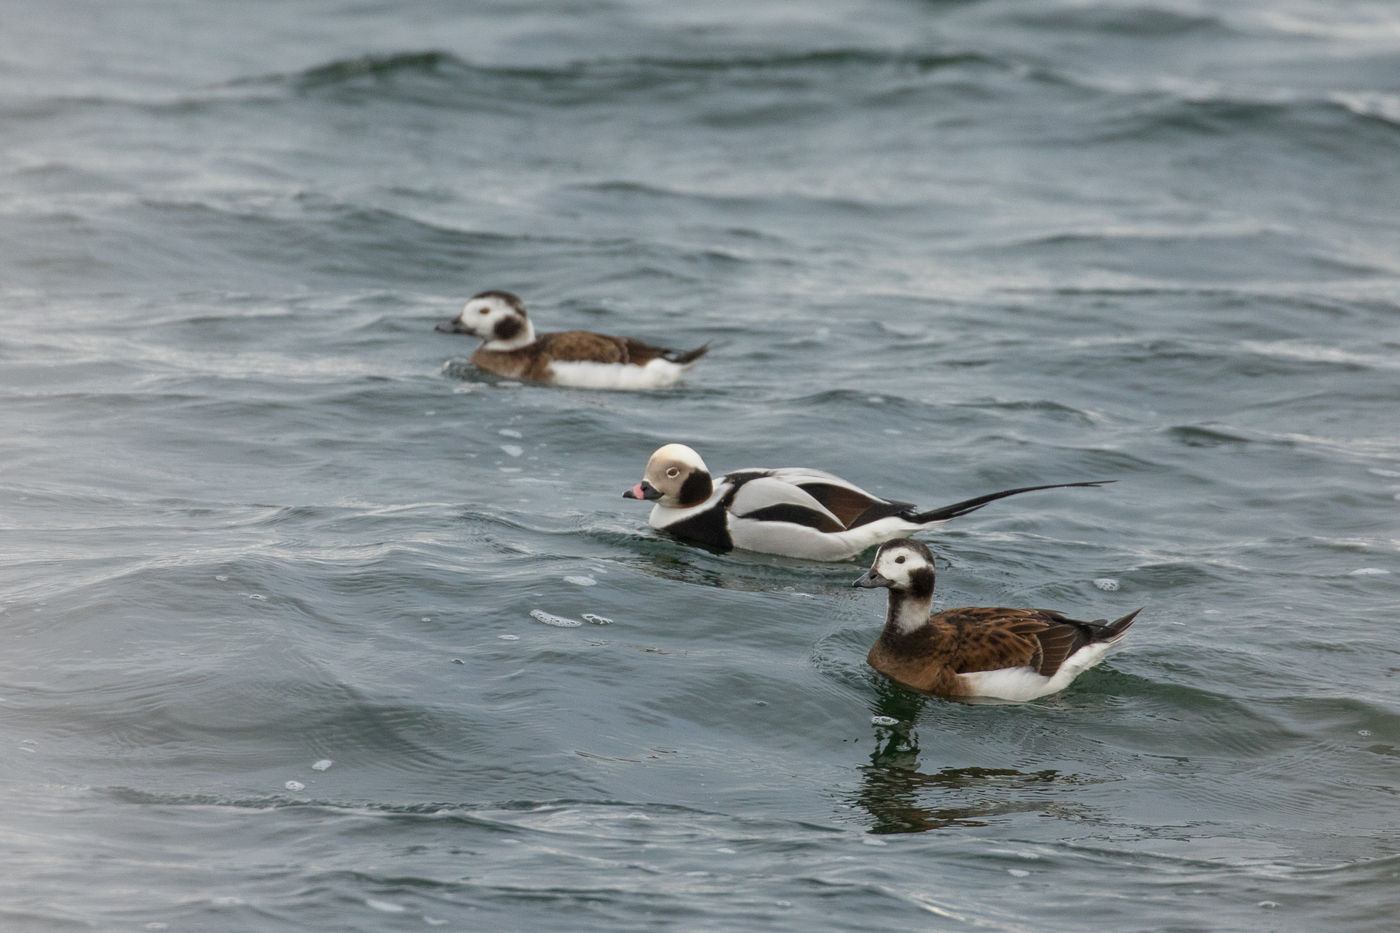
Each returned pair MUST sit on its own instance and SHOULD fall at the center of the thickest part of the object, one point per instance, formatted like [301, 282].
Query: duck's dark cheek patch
[507, 328]
[696, 488]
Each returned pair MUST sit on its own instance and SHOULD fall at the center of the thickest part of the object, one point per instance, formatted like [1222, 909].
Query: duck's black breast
[710, 527]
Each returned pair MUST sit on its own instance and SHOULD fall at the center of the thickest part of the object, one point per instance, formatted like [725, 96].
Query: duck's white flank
[655, 374]
[1023, 683]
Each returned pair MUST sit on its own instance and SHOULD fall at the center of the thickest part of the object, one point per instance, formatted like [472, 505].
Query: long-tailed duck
[575, 358]
[1007, 654]
[791, 511]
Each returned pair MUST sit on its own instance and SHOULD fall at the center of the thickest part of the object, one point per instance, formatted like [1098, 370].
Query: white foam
[1379, 472]
[1107, 584]
[508, 637]
[385, 906]
[513, 450]
[549, 618]
[322, 765]
[597, 619]
[509, 432]
[580, 580]
[294, 786]
[883, 721]
[1368, 571]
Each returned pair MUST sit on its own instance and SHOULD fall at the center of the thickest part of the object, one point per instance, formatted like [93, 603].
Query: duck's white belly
[656, 374]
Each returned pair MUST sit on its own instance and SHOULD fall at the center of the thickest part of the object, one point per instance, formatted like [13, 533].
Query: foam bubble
[580, 580]
[549, 618]
[510, 432]
[1107, 584]
[508, 637]
[294, 786]
[883, 721]
[513, 450]
[596, 619]
[1368, 572]
[385, 906]
[322, 765]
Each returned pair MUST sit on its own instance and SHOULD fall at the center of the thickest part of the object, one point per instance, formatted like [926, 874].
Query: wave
[1152, 23]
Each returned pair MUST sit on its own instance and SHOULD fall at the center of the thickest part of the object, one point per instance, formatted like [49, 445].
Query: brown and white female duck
[576, 358]
[1006, 654]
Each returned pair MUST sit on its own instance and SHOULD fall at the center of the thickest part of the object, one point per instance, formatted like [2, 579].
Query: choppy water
[256, 517]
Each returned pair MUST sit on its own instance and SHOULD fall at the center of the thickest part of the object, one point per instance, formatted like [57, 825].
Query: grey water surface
[307, 625]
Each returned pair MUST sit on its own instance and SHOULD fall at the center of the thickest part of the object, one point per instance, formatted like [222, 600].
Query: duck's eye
[483, 311]
[899, 559]
[673, 472]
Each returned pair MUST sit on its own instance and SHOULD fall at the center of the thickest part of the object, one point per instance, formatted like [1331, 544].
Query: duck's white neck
[907, 611]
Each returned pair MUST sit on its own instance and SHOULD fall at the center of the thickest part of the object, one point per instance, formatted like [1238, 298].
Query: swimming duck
[791, 511]
[576, 358]
[1006, 654]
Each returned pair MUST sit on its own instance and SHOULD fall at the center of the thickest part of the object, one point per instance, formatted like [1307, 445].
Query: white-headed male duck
[792, 511]
[577, 358]
[1006, 654]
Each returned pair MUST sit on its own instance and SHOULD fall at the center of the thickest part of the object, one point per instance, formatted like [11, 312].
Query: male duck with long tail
[791, 511]
[1005, 654]
[576, 358]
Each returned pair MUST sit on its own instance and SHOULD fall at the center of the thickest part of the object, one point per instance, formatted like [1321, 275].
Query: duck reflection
[896, 793]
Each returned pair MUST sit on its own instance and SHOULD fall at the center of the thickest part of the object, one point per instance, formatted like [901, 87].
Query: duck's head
[675, 477]
[496, 317]
[902, 566]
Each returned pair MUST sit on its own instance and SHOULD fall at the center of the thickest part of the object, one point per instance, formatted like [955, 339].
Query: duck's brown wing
[993, 637]
[581, 346]
[850, 504]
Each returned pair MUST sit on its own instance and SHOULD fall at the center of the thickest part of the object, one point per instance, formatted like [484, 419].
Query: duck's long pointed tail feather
[1114, 630]
[946, 512]
[686, 357]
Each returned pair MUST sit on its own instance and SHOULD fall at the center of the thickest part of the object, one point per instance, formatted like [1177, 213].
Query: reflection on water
[902, 799]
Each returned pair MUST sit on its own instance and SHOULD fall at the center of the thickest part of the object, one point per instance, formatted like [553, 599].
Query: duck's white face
[675, 477]
[497, 317]
[902, 564]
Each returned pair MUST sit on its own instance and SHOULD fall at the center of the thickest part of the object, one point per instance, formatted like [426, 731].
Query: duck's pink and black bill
[642, 490]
